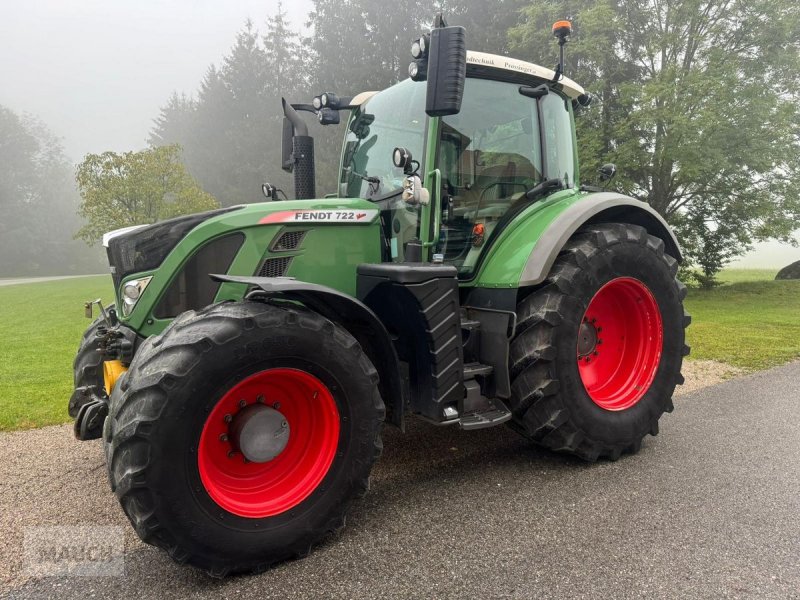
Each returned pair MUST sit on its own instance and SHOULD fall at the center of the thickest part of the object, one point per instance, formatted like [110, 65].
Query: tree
[283, 55]
[696, 105]
[118, 190]
[38, 201]
[175, 123]
[231, 132]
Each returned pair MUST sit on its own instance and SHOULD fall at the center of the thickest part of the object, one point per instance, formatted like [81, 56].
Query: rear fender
[527, 248]
[603, 207]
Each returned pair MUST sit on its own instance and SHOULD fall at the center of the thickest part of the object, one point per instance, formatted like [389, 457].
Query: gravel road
[709, 508]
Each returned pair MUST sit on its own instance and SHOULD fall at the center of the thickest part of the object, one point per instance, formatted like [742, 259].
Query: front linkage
[106, 350]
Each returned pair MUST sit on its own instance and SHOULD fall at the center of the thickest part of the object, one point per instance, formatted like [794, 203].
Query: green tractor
[461, 274]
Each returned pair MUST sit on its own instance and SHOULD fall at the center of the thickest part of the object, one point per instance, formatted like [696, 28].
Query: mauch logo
[336, 215]
[74, 551]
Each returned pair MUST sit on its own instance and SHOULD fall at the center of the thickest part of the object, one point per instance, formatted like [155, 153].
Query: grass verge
[751, 324]
[747, 323]
[40, 327]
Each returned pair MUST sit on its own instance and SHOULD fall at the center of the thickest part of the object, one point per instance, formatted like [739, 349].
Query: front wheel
[241, 435]
[599, 345]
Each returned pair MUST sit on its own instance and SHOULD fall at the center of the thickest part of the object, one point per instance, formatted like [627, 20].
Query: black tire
[87, 369]
[549, 401]
[159, 408]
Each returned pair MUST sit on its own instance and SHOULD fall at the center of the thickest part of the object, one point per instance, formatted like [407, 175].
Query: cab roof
[494, 61]
[503, 63]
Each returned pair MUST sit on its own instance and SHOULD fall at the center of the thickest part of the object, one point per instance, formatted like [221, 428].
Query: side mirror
[607, 171]
[447, 71]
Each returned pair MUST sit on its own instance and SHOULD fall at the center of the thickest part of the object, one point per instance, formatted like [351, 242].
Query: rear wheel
[241, 435]
[599, 346]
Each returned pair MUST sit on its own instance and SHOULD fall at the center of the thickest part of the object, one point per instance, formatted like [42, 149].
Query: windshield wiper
[363, 176]
[544, 188]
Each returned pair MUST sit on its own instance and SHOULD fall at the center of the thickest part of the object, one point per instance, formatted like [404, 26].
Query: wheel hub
[259, 432]
[253, 466]
[587, 339]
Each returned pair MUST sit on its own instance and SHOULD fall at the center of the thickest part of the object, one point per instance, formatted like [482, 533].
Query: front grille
[275, 267]
[146, 248]
[288, 240]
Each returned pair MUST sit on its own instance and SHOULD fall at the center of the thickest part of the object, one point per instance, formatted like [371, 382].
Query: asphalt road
[709, 508]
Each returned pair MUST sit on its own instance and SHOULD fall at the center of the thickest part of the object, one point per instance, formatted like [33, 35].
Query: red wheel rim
[619, 343]
[256, 490]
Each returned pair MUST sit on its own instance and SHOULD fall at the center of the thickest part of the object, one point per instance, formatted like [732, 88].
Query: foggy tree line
[230, 129]
[38, 202]
[695, 101]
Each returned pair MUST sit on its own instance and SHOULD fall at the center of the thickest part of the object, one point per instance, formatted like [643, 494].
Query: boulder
[791, 271]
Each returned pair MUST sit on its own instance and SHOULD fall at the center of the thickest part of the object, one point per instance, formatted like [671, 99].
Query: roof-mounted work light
[419, 48]
[329, 100]
[328, 116]
[418, 70]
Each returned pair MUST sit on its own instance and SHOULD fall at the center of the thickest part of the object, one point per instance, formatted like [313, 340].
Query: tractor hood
[144, 247]
[319, 241]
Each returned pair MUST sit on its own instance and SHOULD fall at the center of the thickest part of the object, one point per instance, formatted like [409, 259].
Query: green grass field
[751, 322]
[40, 327]
[741, 275]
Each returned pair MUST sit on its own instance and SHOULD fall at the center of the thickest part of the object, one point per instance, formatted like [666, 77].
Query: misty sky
[97, 71]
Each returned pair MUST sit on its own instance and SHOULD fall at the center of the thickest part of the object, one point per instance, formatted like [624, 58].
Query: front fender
[357, 318]
[526, 252]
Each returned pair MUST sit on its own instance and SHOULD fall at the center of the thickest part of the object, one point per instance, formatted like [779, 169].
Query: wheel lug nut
[231, 453]
[260, 399]
[599, 342]
[223, 437]
[276, 406]
[599, 329]
[284, 424]
[228, 418]
[242, 403]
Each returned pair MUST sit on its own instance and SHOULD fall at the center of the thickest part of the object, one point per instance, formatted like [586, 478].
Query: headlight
[131, 292]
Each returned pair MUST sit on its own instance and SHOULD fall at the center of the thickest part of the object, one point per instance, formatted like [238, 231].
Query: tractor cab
[478, 165]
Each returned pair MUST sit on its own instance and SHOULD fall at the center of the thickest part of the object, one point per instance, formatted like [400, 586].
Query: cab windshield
[394, 117]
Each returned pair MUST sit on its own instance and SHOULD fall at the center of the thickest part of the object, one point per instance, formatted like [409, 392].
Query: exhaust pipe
[298, 153]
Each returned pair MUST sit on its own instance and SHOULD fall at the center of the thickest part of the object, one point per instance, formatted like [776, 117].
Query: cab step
[494, 414]
[471, 370]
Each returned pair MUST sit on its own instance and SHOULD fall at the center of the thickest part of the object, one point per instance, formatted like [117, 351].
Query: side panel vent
[288, 240]
[275, 267]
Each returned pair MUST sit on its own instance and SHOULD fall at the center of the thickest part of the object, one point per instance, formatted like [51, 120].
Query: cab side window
[490, 154]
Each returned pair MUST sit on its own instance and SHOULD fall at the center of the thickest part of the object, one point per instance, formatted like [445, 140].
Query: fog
[97, 71]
